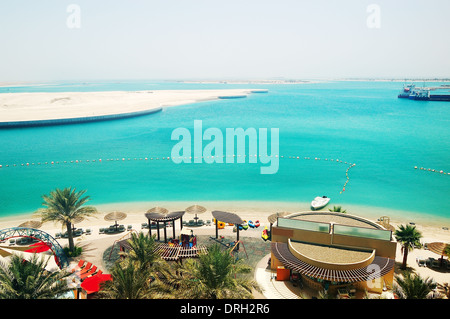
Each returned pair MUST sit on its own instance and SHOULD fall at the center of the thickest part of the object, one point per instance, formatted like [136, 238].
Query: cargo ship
[406, 92]
[441, 93]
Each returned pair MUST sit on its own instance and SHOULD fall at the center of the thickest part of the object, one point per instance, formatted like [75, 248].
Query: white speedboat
[319, 202]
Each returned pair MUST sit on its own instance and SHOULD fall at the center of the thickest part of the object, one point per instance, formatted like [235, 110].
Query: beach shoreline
[249, 210]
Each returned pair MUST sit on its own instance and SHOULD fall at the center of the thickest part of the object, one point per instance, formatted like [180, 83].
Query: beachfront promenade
[96, 245]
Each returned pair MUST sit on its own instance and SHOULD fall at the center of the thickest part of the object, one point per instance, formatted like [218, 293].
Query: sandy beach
[62, 105]
[95, 244]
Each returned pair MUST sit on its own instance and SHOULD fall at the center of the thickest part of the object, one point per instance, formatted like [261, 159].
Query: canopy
[227, 217]
[92, 284]
[158, 210]
[195, 209]
[38, 247]
[115, 216]
[31, 224]
[437, 248]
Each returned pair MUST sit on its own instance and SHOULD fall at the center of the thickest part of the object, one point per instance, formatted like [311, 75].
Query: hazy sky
[228, 39]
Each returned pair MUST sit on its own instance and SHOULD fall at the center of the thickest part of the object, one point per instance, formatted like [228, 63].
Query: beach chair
[191, 223]
[12, 242]
[101, 230]
[58, 235]
[80, 265]
[121, 228]
[85, 268]
[144, 225]
[200, 222]
[421, 261]
[129, 227]
[90, 272]
[208, 222]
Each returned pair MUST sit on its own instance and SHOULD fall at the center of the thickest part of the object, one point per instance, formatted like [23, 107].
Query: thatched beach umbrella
[158, 210]
[115, 216]
[31, 224]
[195, 209]
[438, 248]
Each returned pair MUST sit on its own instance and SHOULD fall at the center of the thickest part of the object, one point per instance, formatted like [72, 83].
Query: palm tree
[142, 251]
[214, 275]
[337, 209]
[64, 206]
[21, 279]
[409, 237]
[411, 286]
[129, 282]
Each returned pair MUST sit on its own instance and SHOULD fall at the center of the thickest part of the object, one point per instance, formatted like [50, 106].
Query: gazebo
[230, 218]
[163, 216]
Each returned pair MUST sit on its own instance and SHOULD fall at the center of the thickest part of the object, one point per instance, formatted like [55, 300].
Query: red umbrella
[92, 284]
[38, 248]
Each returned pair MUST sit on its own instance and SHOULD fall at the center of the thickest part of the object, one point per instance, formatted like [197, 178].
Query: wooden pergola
[230, 218]
[164, 218]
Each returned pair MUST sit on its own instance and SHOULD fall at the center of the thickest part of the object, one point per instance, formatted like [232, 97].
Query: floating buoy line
[163, 158]
[432, 170]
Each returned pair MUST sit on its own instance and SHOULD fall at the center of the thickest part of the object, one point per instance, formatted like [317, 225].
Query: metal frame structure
[55, 247]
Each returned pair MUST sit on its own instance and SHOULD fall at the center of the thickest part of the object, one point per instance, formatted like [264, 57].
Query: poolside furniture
[88, 273]
[80, 265]
[191, 223]
[421, 261]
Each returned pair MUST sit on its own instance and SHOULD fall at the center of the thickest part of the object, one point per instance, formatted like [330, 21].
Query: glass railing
[303, 225]
[362, 232]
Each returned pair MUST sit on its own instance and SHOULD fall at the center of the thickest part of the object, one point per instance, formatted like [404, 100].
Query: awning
[379, 267]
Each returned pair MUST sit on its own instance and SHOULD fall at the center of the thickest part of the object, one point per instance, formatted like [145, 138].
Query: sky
[57, 40]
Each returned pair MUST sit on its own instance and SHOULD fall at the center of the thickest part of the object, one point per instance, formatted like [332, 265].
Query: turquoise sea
[353, 121]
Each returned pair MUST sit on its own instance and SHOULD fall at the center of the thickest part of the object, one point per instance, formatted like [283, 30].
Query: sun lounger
[129, 227]
[421, 261]
[80, 265]
[88, 231]
[91, 271]
[144, 225]
[191, 223]
[121, 228]
[12, 242]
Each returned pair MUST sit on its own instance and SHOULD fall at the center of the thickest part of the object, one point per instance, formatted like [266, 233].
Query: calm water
[356, 122]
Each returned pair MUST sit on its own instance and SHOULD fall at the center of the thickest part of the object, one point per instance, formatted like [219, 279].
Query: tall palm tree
[214, 275]
[20, 279]
[409, 237]
[337, 209]
[64, 206]
[411, 286]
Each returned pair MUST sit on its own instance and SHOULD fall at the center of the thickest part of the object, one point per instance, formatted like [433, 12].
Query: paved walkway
[271, 288]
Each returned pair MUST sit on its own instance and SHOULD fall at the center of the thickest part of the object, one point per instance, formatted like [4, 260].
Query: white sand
[95, 244]
[45, 106]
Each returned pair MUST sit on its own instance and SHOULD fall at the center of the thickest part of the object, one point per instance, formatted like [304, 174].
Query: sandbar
[41, 106]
